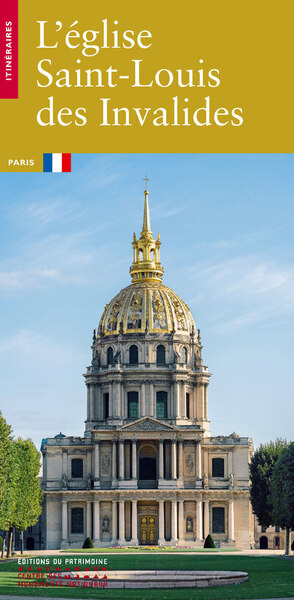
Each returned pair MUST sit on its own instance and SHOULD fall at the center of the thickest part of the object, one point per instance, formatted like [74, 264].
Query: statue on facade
[116, 358]
[106, 524]
[89, 481]
[231, 481]
[64, 481]
[176, 357]
[96, 360]
[205, 481]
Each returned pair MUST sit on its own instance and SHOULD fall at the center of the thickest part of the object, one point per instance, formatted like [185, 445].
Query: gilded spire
[146, 251]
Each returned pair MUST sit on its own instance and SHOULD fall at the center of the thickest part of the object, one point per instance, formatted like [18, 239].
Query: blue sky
[226, 224]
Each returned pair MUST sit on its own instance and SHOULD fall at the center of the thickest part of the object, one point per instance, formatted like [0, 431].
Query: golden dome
[146, 305]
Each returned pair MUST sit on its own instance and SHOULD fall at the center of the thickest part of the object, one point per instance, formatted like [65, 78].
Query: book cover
[146, 177]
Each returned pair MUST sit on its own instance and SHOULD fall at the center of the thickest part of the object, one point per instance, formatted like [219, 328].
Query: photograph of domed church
[147, 470]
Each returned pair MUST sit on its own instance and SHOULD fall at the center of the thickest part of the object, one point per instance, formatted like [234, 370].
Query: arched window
[218, 519]
[133, 405]
[184, 355]
[140, 254]
[152, 254]
[77, 520]
[188, 406]
[109, 356]
[263, 528]
[133, 355]
[218, 467]
[160, 355]
[77, 467]
[277, 541]
[161, 405]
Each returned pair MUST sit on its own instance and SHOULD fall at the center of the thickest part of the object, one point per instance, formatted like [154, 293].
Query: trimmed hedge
[209, 543]
[88, 543]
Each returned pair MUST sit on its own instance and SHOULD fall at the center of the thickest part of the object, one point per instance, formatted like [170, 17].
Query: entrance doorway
[263, 543]
[30, 543]
[148, 530]
[147, 468]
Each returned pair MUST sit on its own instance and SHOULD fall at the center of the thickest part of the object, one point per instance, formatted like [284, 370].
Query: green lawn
[270, 577]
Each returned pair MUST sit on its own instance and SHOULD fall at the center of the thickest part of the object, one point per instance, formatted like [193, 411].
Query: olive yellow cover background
[249, 42]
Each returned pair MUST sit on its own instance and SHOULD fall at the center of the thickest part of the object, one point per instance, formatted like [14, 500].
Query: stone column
[96, 524]
[134, 539]
[177, 399]
[64, 462]
[231, 521]
[92, 401]
[161, 539]
[114, 465]
[174, 522]
[134, 459]
[206, 518]
[230, 463]
[202, 400]
[142, 412]
[183, 399]
[121, 459]
[181, 460]
[97, 461]
[111, 411]
[181, 520]
[198, 461]
[161, 465]
[199, 526]
[194, 403]
[206, 400]
[114, 521]
[89, 520]
[116, 399]
[88, 401]
[152, 408]
[121, 540]
[64, 521]
[174, 459]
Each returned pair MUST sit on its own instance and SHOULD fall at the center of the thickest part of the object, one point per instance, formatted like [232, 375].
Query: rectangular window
[218, 467]
[77, 467]
[77, 520]
[133, 405]
[188, 406]
[106, 406]
[161, 405]
[218, 520]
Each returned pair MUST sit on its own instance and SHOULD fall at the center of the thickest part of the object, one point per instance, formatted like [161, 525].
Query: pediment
[148, 424]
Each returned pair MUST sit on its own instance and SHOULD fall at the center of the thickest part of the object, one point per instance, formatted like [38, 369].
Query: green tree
[261, 470]
[6, 444]
[23, 498]
[282, 492]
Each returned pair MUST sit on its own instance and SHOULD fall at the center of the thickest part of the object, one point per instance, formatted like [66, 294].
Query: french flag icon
[56, 163]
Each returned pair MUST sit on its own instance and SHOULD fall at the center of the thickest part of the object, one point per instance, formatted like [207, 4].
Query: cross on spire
[146, 179]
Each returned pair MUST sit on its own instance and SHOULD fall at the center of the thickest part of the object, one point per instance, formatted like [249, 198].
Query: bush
[209, 543]
[88, 543]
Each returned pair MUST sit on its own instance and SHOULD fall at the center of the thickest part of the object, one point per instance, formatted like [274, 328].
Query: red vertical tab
[9, 49]
[66, 163]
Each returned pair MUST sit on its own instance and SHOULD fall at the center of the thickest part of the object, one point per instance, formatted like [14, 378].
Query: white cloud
[36, 348]
[246, 290]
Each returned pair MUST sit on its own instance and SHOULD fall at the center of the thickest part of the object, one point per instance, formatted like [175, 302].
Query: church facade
[147, 470]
